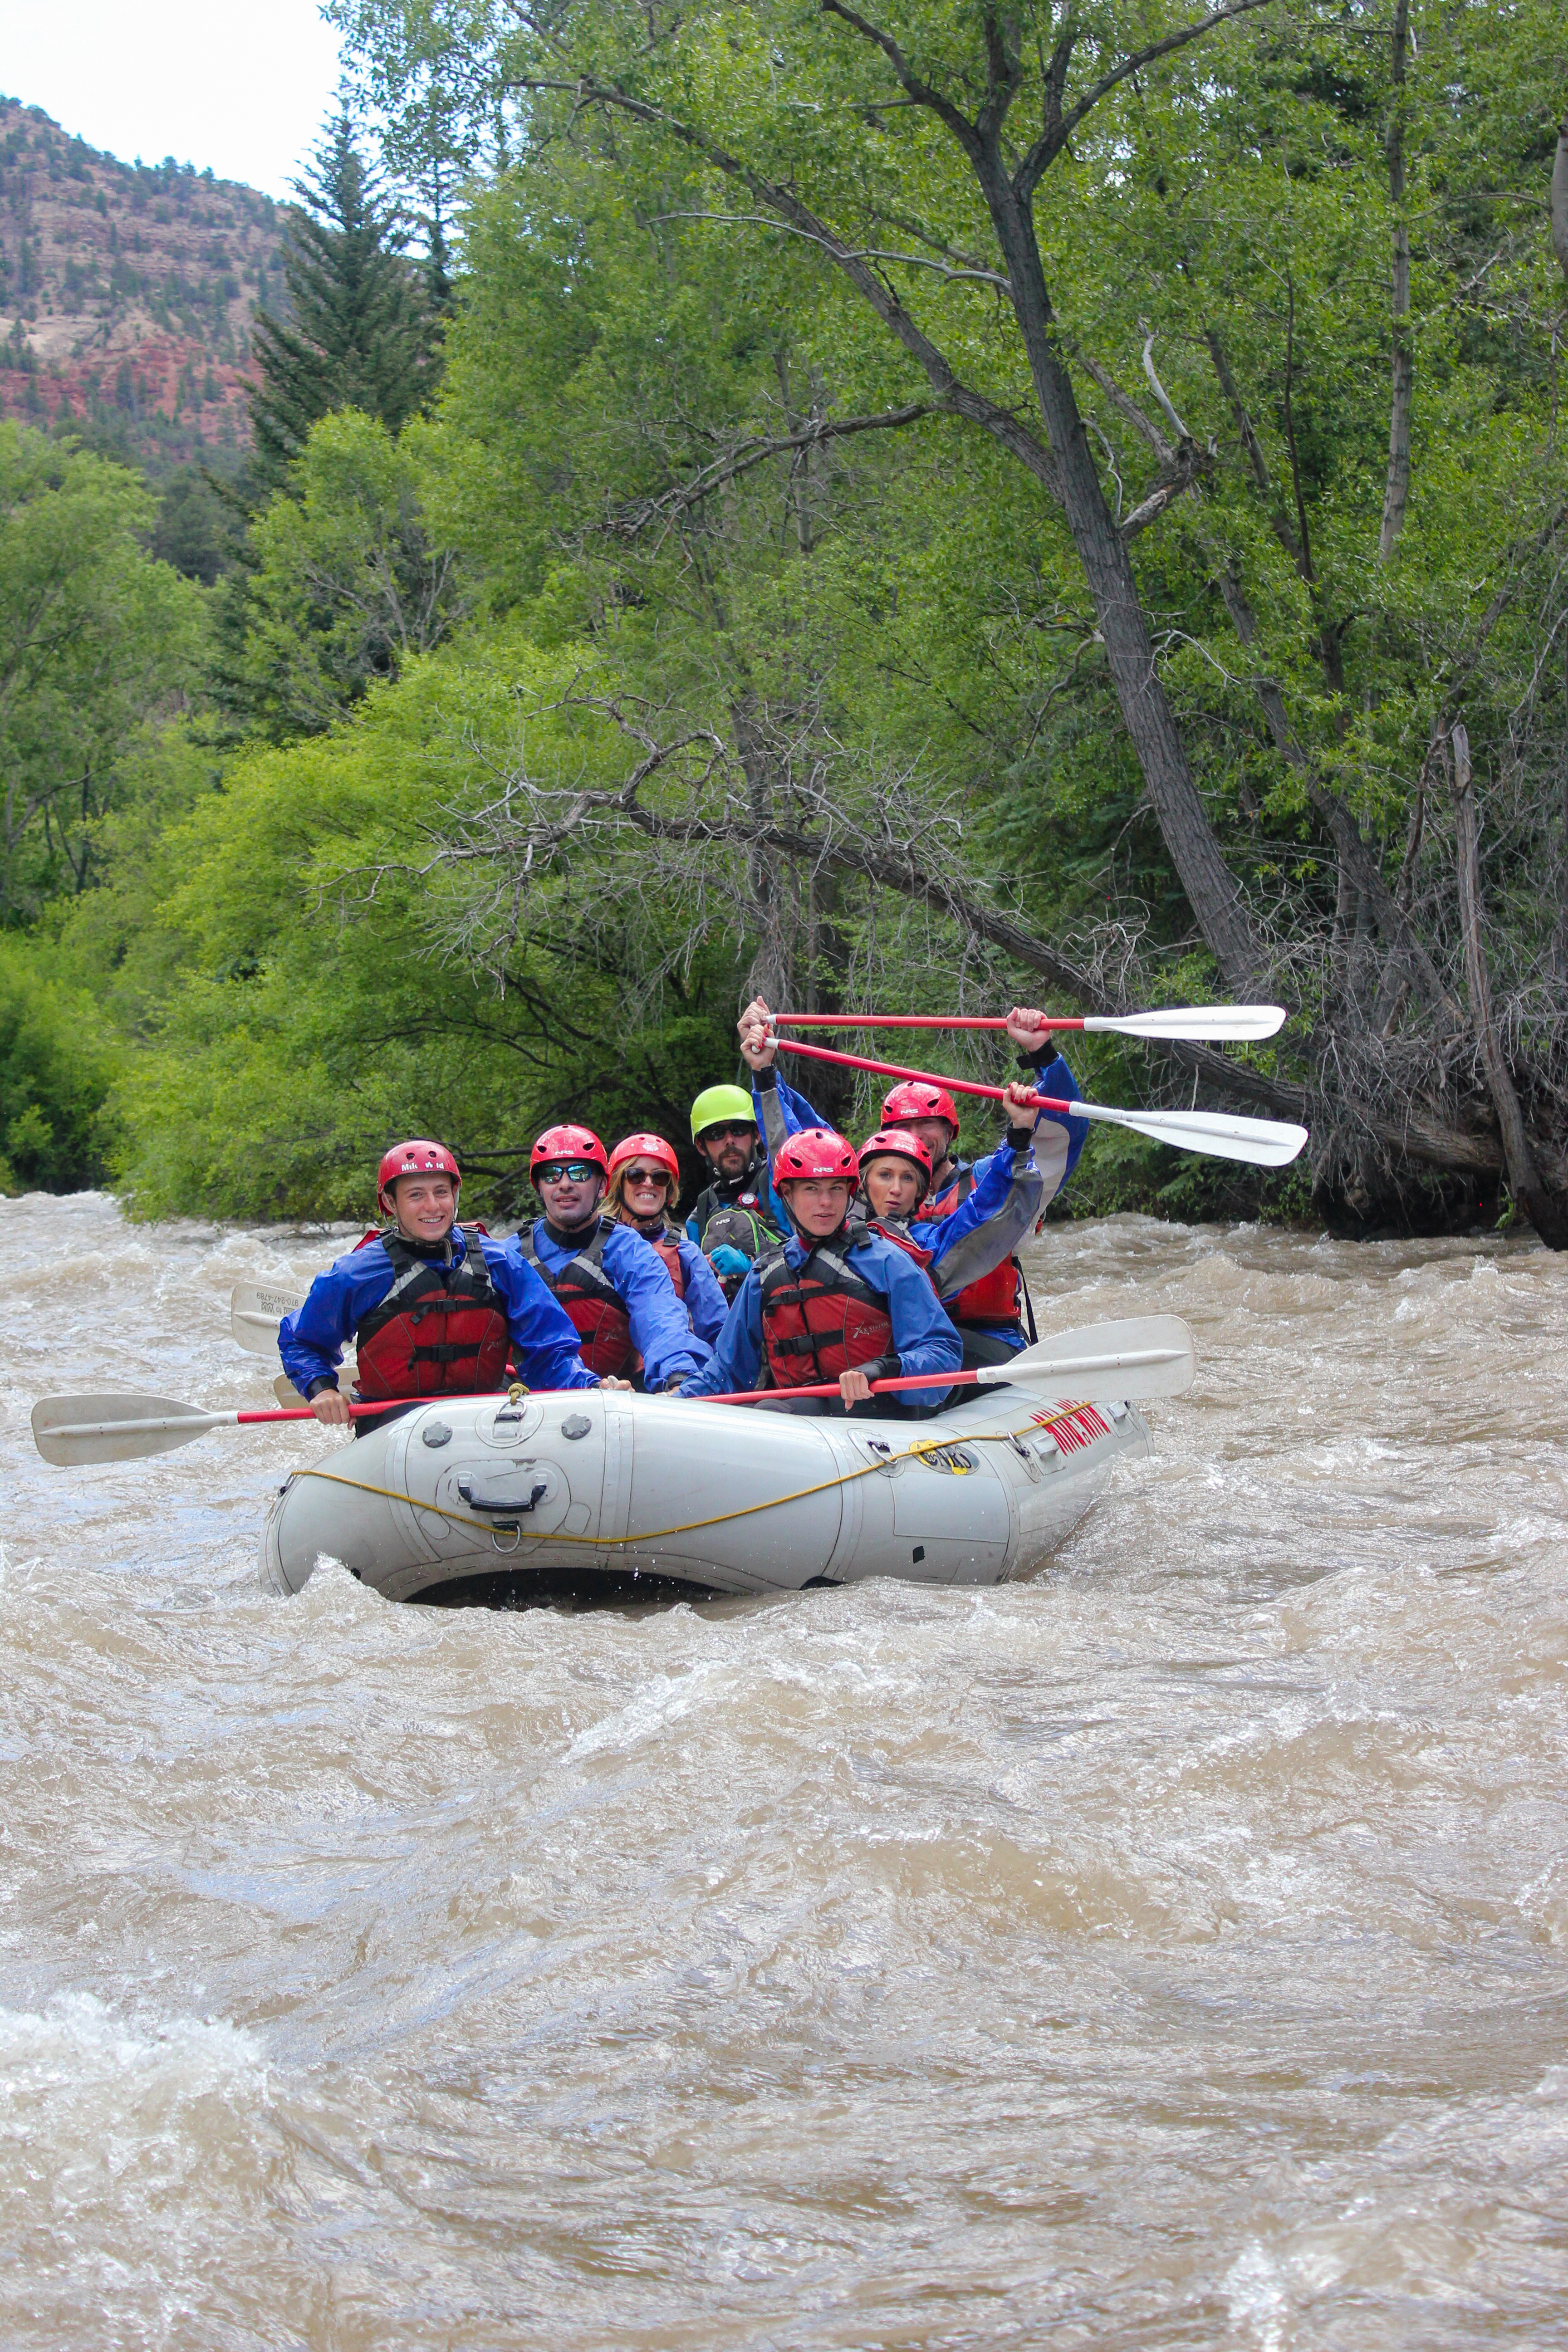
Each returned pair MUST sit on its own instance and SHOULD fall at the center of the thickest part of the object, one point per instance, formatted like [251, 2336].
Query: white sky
[245, 90]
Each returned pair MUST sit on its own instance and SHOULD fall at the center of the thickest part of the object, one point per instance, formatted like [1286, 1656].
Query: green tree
[346, 585]
[280, 962]
[97, 640]
[358, 334]
[57, 1065]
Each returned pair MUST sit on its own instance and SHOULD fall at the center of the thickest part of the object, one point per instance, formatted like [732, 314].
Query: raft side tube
[693, 1497]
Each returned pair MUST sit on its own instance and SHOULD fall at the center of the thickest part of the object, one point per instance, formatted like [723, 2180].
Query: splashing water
[1171, 1950]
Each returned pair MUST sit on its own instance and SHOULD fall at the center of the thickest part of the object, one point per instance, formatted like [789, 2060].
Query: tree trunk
[1211, 889]
[1546, 1211]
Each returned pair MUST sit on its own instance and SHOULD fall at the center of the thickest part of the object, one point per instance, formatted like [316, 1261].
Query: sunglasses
[567, 1172]
[647, 1176]
[747, 1128]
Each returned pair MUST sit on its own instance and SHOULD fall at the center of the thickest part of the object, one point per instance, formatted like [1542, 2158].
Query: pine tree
[359, 334]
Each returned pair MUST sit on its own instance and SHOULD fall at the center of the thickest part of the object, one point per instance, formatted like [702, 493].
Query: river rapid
[1168, 1950]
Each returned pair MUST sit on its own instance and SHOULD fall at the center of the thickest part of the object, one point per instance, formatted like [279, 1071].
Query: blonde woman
[642, 1192]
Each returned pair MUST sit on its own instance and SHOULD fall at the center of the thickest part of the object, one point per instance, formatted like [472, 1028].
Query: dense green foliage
[723, 621]
[57, 1066]
[96, 638]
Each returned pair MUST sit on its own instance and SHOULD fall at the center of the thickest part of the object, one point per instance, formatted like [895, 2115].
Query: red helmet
[568, 1143]
[644, 1146]
[896, 1142]
[816, 1152]
[416, 1158]
[915, 1099]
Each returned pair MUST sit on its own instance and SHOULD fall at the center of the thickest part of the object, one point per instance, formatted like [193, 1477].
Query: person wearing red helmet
[895, 1174]
[971, 1220]
[841, 1299]
[434, 1308]
[612, 1285]
[642, 1192]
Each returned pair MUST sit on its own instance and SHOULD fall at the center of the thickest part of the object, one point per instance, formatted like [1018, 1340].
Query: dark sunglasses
[567, 1172]
[747, 1128]
[647, 1176]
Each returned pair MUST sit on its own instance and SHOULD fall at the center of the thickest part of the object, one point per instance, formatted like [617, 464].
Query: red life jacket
[597, 1311]
[441, 1330]
[996, 1297]
[822, 1318]
[666, 1248]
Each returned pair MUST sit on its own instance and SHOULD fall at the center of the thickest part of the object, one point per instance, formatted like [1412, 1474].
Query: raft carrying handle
[510, 1503]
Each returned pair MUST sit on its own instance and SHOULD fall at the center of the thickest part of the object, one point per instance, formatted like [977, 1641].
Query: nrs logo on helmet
[815, 1155]
[914, 1099]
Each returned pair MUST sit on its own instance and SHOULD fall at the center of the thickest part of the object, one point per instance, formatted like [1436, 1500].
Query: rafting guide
[737, 1216]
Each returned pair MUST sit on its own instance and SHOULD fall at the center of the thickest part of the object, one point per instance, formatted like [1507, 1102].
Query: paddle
[1263, 1143]
[1216, 1024]
[255, 1313]
[1146, 1356]
[71, 1430]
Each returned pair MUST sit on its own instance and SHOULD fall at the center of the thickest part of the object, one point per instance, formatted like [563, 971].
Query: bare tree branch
[1059, 129]
[627, 521]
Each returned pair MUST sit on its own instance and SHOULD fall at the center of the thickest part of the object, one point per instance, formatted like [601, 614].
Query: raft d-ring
[497, 1533]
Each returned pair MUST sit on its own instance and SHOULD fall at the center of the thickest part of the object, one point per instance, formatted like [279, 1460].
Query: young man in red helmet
[839, 1300]
[434, 1308]
[642, 1192]
[971, 1220]
[611, 1283]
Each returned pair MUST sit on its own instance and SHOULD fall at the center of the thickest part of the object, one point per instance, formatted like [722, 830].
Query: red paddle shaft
[879, 1388]
[902, 1021]
[359, 1411]
[923, 1077]
[741, 1396]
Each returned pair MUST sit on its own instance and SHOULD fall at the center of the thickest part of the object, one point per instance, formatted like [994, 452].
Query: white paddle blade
[71, 1430]
[1262, 1142]
[255, 1314]
[285, 1392]
[1145, 1356]
[1215, 1023]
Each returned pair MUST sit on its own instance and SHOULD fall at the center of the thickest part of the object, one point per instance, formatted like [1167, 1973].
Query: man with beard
[738, 1203]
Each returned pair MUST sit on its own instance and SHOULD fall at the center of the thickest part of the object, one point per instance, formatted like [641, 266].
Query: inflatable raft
[595, 1493]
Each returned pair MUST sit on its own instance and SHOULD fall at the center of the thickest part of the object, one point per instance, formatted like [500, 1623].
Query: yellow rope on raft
[912, 1453]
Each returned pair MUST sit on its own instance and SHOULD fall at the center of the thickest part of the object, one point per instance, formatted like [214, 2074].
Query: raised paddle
[1263, 1143]
[1146, 1356]
[1215, 1023]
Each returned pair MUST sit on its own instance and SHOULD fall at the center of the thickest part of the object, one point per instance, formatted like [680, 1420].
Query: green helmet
[715, 1104]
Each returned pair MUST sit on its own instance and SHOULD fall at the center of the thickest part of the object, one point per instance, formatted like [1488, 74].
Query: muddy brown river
[1171, 1950]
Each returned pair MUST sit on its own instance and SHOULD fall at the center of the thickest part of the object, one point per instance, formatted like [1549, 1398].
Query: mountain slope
[127, 292]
